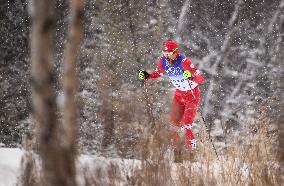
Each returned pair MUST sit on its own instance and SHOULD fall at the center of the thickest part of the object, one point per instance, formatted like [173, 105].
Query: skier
[185, 77]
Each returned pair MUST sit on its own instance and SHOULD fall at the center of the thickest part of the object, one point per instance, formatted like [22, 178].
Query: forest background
[237, 44]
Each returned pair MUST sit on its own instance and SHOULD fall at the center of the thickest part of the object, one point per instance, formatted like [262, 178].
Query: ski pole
[206, 128]
[149, 105]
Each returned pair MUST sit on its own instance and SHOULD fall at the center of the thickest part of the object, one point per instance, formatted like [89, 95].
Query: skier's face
[171, 58]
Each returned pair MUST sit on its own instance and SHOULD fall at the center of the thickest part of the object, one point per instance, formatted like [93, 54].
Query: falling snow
[237, 45]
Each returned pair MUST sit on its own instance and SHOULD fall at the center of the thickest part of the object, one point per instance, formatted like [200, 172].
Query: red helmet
[170, 46]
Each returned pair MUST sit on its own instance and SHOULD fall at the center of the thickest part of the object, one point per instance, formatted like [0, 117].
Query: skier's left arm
[196, 75]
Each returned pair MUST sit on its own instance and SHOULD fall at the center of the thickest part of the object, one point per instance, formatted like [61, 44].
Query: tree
[57, 152]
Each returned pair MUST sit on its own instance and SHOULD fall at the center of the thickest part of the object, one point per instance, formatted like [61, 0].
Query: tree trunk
[57, 153]
[44, 104]
[70, 87]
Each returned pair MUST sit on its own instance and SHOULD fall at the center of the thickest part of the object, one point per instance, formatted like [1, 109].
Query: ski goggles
[169, 53]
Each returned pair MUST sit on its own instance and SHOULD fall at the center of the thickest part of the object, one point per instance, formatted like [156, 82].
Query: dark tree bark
[57, 153]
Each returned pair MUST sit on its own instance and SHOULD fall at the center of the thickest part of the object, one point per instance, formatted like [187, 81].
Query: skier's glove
[186, 74]
[143, 74]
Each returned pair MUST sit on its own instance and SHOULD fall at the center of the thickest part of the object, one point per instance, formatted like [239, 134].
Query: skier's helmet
[170, 48]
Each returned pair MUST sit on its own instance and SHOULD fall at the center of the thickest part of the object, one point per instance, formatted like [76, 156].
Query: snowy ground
[10, 160]
[105, 170]
[122, 169]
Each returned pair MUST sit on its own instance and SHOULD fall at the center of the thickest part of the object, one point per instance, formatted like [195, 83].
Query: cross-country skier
[185, 77]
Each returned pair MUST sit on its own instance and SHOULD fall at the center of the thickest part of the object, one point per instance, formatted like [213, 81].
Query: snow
[101, 165]
[118, 171]
[10, 160]
[10, 166]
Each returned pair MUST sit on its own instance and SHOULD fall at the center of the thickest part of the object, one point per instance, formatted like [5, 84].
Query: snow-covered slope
[10, 159]
[100, 169]
[10, 166]
[117, 171]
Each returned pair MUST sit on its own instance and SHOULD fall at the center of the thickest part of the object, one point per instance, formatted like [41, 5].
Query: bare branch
[181, 18]
[275, 16]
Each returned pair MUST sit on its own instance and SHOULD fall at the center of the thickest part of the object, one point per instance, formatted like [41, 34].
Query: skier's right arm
[158, 72]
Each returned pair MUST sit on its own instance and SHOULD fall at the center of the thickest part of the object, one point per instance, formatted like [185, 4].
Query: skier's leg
[176, 111]
[190, 139]
[176, 114]
[188, 118]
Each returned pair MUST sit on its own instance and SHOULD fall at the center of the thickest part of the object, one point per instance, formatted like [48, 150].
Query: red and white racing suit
[187, 94]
